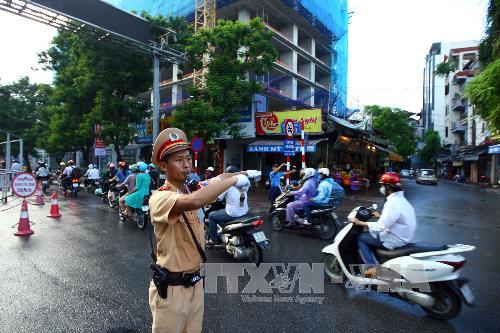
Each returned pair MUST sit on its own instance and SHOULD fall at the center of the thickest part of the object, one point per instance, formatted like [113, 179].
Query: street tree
[96, 82]
[431, 149]
[233, 50]
[484, 90]
[394, 125]
[23, 112]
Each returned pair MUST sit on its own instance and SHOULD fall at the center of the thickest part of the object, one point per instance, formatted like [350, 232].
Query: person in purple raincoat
[307, 191]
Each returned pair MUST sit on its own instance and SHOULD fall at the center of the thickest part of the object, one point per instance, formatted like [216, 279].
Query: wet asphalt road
[88, 272]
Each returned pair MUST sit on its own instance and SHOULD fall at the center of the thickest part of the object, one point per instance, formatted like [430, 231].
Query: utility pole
[155, 95]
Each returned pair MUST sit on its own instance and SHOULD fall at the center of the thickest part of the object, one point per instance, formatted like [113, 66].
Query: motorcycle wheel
[448, 304]
[333, 269]
[141, 220]
[75, 192]
[328, 229]
[257, 255]
[111, 203]
[277, 220]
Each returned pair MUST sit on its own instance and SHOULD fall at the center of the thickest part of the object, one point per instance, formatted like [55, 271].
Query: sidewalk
[485, 187]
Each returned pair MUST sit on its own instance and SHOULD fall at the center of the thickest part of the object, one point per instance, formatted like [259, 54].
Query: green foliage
[489, 50]
[431, 149]
[234, 49]
[444, 68]
[484, 93]
[23, 112]
[394, 126]
[96, 83]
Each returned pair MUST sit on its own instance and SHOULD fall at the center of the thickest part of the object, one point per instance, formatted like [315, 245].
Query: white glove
[241, 181]
[253, 173]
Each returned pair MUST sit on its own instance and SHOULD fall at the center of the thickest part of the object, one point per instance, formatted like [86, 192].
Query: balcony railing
[457, 105]
[457, 127]
[324, 85]
[284, 64]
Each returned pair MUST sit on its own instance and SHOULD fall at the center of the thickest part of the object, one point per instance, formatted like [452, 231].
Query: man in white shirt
[395, 227]
[236, 206]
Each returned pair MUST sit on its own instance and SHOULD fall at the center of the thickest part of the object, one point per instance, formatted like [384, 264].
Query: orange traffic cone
[39, 197]
[54, 208]
[23, 228]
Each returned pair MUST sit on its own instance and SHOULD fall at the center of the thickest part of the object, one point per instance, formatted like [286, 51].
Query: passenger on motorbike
[119, 177]
[136, 197]
[302, 195]
[91, 175]
[42, 173]
[155, 177]
[236, 206]
[129, 183]
[329, 194]
[66, 175]
[395, 227]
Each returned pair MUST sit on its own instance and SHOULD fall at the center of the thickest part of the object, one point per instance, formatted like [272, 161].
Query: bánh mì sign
[270, 122]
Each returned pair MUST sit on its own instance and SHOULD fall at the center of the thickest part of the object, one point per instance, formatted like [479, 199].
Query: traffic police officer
[177, 252]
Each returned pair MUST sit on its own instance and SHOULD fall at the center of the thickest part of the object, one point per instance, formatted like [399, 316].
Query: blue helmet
[142, 166]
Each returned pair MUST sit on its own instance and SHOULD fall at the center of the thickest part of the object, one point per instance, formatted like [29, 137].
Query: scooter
[242, 239]
[323, 224]
[75, 187]
[418, 273]
[139, 216]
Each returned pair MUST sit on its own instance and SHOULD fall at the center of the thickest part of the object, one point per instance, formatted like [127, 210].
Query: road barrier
[23, 227]
[54, 207]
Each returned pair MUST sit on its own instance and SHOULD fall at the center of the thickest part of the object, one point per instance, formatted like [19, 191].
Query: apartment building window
[446, 130]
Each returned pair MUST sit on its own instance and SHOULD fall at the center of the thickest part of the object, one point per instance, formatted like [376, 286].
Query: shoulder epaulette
[164, 188]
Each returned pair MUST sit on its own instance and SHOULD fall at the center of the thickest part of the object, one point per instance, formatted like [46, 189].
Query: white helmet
[308, 173]
[211, 169]
[91, 166]
[324, 171]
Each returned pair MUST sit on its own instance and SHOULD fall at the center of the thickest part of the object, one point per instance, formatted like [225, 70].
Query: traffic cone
[54, 208]
[23, 227]
[39, 197]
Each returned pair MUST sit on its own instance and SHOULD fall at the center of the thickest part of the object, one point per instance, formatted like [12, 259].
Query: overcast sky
[388, 40]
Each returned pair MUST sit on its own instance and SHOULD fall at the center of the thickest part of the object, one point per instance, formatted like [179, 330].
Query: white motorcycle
[418, 273]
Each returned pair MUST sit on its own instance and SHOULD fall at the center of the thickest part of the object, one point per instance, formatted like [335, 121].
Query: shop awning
[392, 155]
[276, 146]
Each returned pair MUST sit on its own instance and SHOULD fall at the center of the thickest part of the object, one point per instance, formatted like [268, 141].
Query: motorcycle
[242, 238]
[75, 187]
[323, 224]
[419, 273]
[139, 216]
[92, 185]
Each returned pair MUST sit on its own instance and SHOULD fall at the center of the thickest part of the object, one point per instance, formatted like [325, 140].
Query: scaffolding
[329, 17]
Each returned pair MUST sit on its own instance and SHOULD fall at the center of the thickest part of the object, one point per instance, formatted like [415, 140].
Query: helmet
[134, 168]
[390, 178]
[142, 166]
[122, 164]
[363, 214]
[111, 165]
[91, 166]
[98, 191]
[308, 173]
[232, 169]
[151, 165]
[62, 164]
[211, 169]
[70, 162]
[324, 171]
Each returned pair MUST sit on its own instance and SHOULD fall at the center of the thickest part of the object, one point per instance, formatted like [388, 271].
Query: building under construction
[310, 73]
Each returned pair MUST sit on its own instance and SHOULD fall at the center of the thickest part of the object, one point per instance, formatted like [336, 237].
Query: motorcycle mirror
[374, 206]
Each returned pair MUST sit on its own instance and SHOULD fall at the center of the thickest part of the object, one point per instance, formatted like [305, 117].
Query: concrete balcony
[457, 105]
[456, 127]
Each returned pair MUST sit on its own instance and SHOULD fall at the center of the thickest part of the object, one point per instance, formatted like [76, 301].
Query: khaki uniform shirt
[176, 250]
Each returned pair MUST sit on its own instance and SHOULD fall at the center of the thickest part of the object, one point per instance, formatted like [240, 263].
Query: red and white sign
[24, 185]
[99, 143]
[289, 129]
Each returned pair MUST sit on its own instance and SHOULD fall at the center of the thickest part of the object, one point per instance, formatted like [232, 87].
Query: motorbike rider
[302, 195]
[107, 175]
[155, 177]
[329, 194]
[119, 177]
[91, 175]
[274, 179]
[209, 173]
[236, 206]
[129, 183]
[395, 226]
[66, 175]
[135, 197]
[42, 173]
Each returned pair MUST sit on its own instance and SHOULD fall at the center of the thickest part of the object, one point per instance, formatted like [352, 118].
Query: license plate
[96, 183]
[145, 208]
[467, 293]
[259, 237]
[76, 185]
